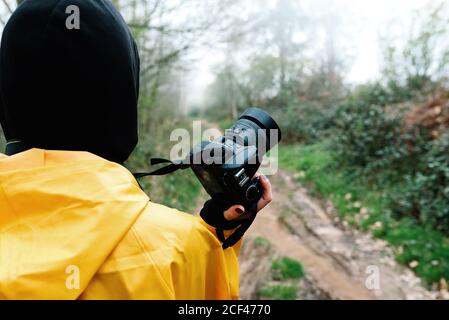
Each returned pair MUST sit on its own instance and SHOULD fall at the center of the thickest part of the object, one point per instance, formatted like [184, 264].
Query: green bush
[371, 140]
[371, 143]
[303, 121]
[261, 242]
[370, 135]
[278, 292]
[367, 137]
[425, 195]
[287, 268]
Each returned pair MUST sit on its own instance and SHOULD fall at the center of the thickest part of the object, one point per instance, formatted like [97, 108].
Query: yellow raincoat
[76, 226]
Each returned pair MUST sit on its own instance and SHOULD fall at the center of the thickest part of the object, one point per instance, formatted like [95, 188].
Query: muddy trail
[338, 261]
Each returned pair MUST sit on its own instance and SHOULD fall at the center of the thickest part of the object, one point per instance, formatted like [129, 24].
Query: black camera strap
[172, 167]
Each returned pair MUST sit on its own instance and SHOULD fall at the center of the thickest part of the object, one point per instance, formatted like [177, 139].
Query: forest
[371, 151]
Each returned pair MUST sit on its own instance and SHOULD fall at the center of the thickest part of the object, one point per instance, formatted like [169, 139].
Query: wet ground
[340, 262]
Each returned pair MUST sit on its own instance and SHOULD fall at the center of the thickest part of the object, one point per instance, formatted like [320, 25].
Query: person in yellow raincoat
[74, 223]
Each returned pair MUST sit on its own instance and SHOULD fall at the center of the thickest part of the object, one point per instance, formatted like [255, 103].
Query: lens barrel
[258, 119]
[262, 119]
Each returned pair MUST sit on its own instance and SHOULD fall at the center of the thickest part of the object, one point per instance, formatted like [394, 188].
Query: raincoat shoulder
[168, 254]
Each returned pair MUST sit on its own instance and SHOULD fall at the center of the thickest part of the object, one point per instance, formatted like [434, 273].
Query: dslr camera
[226, 166]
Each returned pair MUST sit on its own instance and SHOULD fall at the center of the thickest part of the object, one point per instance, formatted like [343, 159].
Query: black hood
[64, 89]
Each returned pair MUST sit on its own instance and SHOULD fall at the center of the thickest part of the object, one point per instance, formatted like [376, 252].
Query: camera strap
[172, 167]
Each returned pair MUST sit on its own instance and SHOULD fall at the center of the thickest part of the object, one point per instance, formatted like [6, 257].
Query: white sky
[376, 15]
[365, 20]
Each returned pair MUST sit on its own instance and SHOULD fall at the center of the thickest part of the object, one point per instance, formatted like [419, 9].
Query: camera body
[226, 166]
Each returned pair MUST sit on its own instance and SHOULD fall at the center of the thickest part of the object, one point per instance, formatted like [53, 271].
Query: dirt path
[337, 260]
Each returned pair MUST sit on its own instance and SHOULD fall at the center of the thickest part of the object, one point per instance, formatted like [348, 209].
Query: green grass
[319, 170]
[287, 268]
[363, 204]
[278, 292]
[261, 242]
[427, 247]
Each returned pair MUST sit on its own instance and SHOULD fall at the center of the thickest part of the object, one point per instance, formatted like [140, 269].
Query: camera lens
[257, 124]
[261, 118]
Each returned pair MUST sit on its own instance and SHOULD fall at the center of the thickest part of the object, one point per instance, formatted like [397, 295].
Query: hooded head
[70, 89]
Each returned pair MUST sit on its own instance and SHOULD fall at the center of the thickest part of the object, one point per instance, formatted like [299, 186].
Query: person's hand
[237, 212]
[235, 218]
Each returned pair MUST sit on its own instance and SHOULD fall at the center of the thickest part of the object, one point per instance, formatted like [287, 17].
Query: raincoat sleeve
[168, 254]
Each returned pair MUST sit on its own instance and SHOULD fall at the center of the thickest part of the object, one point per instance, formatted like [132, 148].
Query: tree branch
[7, 5]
